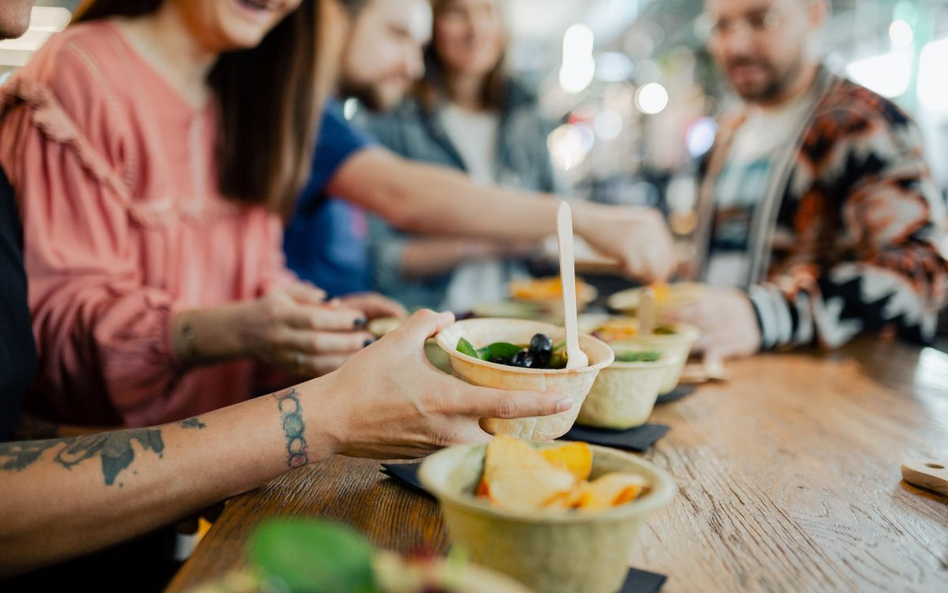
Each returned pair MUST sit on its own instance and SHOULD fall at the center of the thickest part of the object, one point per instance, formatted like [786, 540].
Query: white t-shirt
[742, 184]
[475, 136]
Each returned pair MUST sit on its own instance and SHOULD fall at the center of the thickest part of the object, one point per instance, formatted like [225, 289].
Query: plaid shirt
[851, 236]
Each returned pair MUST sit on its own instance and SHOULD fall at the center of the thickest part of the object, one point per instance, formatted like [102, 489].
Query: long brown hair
[269, 99]
[430, 88]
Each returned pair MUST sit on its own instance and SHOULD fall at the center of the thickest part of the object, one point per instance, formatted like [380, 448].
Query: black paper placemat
[676, 394]
[638, 581]
[635, 439]
[406, 473]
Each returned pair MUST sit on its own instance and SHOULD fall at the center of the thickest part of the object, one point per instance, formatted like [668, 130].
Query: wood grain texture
[789, 480]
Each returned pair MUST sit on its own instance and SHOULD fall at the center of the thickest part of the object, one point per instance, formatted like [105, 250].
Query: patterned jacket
[851, 235]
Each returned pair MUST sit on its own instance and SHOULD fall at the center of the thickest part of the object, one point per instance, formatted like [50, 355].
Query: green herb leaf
[313, 557]
[501, 350]
[465, 347]
[650, 356]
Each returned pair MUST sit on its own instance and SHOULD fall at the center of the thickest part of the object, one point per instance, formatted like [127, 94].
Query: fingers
[306, 294]
[424, 324]
[316, 343]
[375, 305]
[481, 402]
[324, 318]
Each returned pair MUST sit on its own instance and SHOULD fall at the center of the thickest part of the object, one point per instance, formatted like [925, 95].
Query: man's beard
[777, 82]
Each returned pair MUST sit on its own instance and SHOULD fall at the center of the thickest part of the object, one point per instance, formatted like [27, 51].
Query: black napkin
[638, 581]
[635, 439]
[678, 393]
[406, 473]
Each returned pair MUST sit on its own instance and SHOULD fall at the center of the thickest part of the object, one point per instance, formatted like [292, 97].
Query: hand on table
[727, 322]
[388, 401]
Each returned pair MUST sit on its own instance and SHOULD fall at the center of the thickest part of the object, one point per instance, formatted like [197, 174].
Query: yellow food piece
[541, 289]
[576, 458]
[617, 330]
[662, 291]
[518, 477]
[611, 490]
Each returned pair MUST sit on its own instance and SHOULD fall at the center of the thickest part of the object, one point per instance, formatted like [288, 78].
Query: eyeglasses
[755, 23]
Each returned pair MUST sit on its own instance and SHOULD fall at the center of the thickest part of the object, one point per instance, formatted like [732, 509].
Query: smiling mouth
[260, 5]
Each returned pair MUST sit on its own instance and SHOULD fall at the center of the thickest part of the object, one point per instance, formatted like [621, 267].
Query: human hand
[727, 321]
[388, 401]
[296, 331]
[638, 237]
[374, 305]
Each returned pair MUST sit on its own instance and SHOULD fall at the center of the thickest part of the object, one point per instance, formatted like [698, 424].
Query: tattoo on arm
[294, 429]
[192, 423]
[113, 448]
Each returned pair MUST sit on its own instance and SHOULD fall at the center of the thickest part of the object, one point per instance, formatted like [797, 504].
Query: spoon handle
[568, 277]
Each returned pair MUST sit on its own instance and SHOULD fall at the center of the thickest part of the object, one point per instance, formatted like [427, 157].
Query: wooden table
[789, 480]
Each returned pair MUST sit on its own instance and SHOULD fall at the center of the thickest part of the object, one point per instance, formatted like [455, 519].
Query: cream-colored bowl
[676, 346]
[624, 393]
[574, 383]
[668, 299]
[549, 551]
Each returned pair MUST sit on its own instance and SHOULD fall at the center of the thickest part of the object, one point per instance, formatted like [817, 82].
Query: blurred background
[635, 93]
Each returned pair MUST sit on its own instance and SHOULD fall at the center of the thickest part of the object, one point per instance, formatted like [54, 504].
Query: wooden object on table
[788, 480]
[576, 358]
[646, 313]
[927, 473]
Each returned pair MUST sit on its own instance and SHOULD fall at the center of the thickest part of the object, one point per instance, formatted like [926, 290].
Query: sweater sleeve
[98, 327]
[873, 246]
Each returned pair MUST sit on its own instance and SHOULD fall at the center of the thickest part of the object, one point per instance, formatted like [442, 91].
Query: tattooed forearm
[291, 413]
[113, 448]
[192, 423]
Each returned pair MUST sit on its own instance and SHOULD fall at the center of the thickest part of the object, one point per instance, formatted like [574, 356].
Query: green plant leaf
[500, 350]
[465, 347]
[649, 356]
[312, 557]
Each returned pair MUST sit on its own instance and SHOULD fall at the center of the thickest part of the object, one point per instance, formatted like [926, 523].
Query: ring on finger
[299, 360]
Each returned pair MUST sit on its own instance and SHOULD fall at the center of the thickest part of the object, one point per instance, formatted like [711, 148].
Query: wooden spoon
[927, 473]
[646, 312]
[564, 226]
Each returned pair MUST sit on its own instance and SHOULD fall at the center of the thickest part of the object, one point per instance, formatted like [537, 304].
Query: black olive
[541, 348]
[522, 359]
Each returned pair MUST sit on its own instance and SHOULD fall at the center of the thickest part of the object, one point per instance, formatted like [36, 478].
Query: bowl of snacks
[548, 293]
[319, 556]
[559, 518]
[668, 297]
[523, 355]
[672, 340]
[625, 392]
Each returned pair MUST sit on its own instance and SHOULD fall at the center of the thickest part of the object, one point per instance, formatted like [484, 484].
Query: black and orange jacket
[852, 234]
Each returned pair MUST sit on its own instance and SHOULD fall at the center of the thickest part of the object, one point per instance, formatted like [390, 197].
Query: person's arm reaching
[424, 198]
[62, 498]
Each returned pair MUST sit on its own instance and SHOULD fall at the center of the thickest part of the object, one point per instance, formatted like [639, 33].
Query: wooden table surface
[789, 480]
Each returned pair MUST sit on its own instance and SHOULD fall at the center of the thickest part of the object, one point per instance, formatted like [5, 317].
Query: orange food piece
[611, 490]
[576, 458]
[517, 476]
[541, 289]
[662, 290]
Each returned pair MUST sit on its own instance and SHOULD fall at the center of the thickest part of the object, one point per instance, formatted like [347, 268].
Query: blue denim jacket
[522, 160]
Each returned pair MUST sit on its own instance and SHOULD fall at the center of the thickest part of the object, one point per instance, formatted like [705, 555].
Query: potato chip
[573, 457]
[611, 490]
[517, 476]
